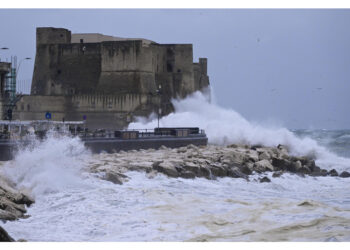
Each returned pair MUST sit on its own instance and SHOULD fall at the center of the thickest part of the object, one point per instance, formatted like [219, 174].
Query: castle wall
[115, 111]
[126, 68]
[110, 81]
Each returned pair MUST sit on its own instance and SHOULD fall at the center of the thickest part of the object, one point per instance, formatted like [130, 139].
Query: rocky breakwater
[12, 205]
[236, 161]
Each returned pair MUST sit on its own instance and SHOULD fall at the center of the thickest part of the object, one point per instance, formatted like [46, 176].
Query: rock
[191, 166]
[182, 150]
[264, 179]
[252, 155]
[5, 215]
[333, 172]
[277, 174]
[282, 151]
[279, 163]
[191, 146]
[324, 172]
[187, 175]
[247, 169]
[114, 177]
[4, 236]
[264, 156]
[303, 169]
[204, 172]
[238, 157]
[344, 174]
[218, 170]
[166, 168]
[262, 166]
[151, 174]
[236, 173]
[163, 147]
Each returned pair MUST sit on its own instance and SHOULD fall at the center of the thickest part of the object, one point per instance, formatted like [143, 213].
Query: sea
[73, 204]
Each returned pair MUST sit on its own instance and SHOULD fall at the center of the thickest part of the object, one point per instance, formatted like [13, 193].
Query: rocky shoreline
[210, 162]
[235, 161]
[13, 205]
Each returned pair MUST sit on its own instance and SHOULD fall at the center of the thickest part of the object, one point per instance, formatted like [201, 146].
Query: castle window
[59, 71]
[28, 107]
[169, 67]
[81, 40]
[61, 35]
[178, 70]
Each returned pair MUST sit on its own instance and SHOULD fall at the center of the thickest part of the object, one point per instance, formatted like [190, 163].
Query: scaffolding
[10, 90]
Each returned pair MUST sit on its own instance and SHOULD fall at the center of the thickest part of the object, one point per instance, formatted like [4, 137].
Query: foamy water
[75, 205]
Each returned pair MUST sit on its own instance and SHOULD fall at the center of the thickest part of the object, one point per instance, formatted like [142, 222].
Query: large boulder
[262, 166]
[264, 156]
[166, 168]
[345, 174]
[115, 177]
[4, 236]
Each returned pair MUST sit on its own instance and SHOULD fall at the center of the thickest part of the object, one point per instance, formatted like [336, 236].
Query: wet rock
[114, 177]
[345, 174]
[264, 156]
[5, 215]
[262, 166]
[4, 236]
[12, 202]
[204, 171]
[218, 170]
[333, 172]
[264, 179]
[247, 169]
[282, 151]
[166, 168]
[252, 155]
[279, 163]
[238, 157]
[187, 175]
[324, 172]
[192, 167]
[236, 173]
[277, 174]
[304, 170]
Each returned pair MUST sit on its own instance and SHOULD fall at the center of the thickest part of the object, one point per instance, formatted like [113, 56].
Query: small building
[5, 69]
[107, 80]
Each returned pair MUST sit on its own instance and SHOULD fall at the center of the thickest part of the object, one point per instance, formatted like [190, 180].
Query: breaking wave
[48, 165]
[225, 126]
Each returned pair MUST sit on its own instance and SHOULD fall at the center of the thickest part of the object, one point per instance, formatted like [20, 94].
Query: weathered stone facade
[108, 79]
[4, 70]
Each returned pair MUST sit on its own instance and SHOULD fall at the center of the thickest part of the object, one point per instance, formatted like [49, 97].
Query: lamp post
[159, 92]
[3, 48]
[27, 58]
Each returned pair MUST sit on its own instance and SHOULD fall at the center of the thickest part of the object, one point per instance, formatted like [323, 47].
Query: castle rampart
[109, 76]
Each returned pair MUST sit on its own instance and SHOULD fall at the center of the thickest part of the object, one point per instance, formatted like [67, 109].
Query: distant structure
[107, 80]
[5, 70]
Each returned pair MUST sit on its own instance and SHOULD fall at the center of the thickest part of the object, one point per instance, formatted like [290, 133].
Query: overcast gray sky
[290, 67]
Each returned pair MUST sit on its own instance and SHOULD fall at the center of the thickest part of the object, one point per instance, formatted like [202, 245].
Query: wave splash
[49, 165]
[225, 126]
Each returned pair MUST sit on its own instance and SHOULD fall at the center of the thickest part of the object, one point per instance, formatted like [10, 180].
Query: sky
[286, 67]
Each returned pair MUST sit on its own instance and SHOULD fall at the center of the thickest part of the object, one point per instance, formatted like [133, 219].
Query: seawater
[73, 204]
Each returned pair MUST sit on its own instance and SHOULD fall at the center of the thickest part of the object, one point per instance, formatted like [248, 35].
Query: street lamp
[27, 58]
[159, 92]
[4, 48]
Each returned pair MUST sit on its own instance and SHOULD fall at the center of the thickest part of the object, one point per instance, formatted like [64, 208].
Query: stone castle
[107, 80]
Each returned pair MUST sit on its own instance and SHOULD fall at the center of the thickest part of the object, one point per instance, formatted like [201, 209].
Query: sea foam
[225, 126]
